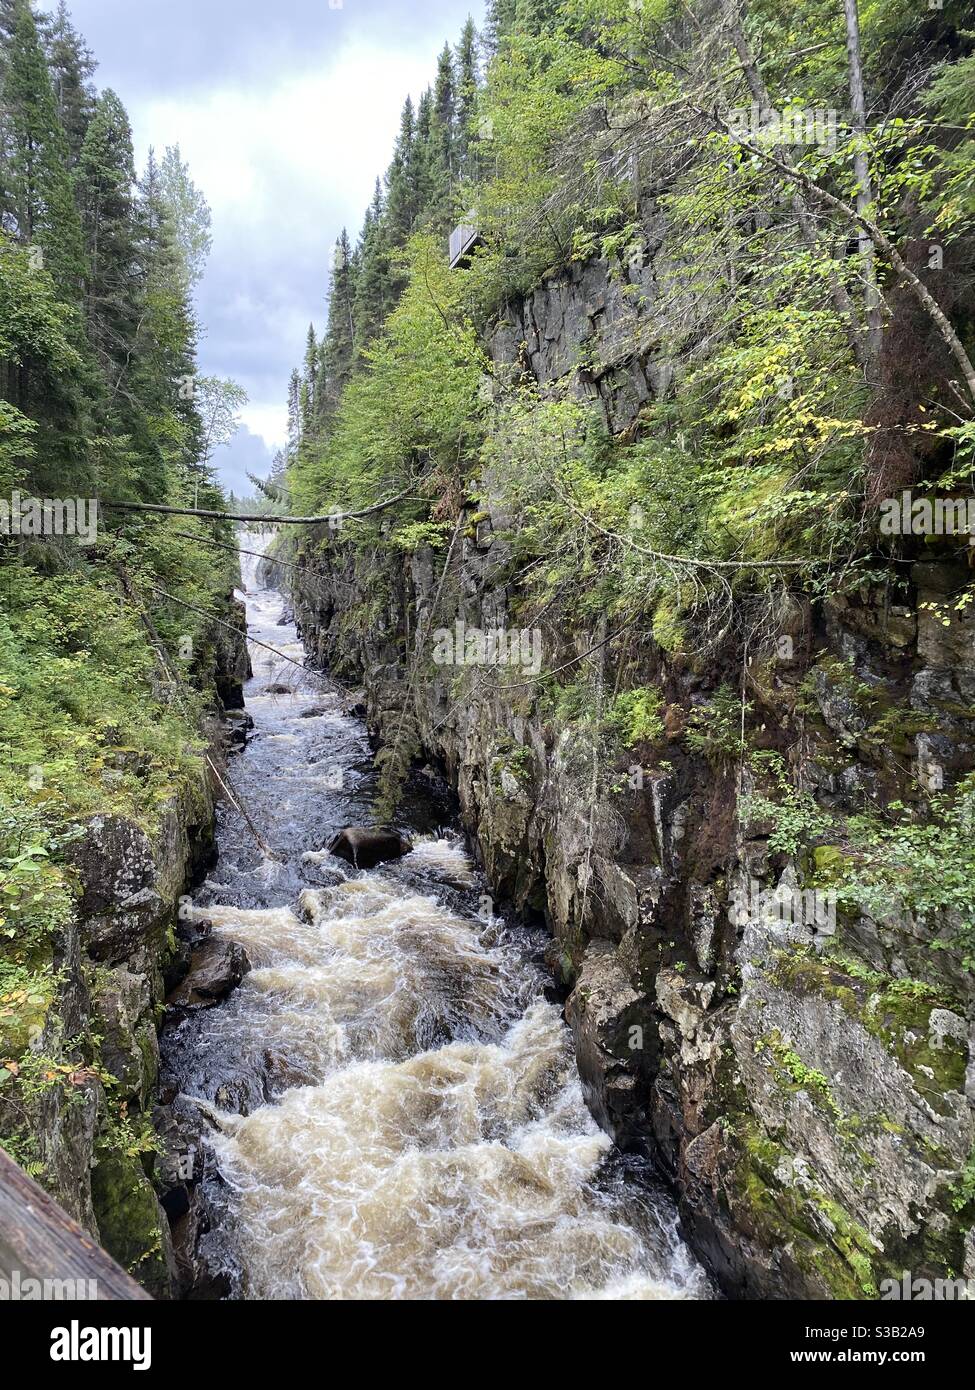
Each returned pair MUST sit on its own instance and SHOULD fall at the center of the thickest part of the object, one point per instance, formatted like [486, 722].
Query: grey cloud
[246, 453]
[176, 44]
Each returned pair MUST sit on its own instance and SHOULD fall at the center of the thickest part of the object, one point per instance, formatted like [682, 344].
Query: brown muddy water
[391, 1103]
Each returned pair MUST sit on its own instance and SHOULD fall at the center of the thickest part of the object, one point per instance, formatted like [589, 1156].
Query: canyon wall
[100, 1136]
[804, 1084]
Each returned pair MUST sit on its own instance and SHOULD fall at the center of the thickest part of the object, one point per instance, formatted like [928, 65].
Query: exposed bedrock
[803, 1090]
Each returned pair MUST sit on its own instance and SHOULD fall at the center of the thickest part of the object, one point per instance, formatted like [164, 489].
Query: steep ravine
[806, 1097]
[387, 1105]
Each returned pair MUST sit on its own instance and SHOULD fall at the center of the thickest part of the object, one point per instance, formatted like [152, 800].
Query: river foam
[417, 1128]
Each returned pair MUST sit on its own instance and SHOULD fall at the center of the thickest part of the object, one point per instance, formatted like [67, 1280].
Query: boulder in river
[217, 968]
[365, 847]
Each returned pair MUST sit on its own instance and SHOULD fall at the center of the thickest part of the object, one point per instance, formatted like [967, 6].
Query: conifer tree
[373, 291]
[106, 174]
[338, 349]
[36, 198]
[443, 134]
[402, 203]
[466, 100]
[72, 67]
[294, 415]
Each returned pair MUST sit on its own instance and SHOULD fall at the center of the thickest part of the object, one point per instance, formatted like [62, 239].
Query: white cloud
[268, 421]
[283, 169]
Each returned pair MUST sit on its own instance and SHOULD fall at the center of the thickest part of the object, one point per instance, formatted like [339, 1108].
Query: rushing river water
[396, 1109]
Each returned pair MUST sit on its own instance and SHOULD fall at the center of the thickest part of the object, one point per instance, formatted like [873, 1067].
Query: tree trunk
[861, 170]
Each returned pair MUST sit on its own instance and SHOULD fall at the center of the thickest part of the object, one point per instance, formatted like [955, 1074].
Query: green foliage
[922, 860]
[414, 409]
[797, 821]
[634, 716]
[717, 729]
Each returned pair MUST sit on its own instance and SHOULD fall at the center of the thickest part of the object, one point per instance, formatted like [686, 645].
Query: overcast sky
[286, 110]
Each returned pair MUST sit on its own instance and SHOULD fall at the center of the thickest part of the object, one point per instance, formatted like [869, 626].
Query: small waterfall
[396, 1107]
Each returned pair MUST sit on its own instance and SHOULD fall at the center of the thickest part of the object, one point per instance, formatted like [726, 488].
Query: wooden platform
[40, 1241]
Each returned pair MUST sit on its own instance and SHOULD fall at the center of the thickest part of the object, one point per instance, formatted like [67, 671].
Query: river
[392, 1099]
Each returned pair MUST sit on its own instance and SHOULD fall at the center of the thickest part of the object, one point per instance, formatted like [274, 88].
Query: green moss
[130, 1219]
[819, 1234]
[668, 630]
[800, 1076]
[895, 1012]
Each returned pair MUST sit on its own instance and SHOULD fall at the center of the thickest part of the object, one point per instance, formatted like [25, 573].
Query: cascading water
[394, 1102]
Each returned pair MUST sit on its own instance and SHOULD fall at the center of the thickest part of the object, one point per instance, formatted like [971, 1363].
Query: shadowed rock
[365, 848]
[217, 968]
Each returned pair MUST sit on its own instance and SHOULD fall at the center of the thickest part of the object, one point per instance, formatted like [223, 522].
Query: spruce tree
[466, 135]
[106, 174]
[373, 291]
[402, 202]
[36, 198]
[294, 416]
[338, 349]
[72, 67]
[309, 383]
[443, 135]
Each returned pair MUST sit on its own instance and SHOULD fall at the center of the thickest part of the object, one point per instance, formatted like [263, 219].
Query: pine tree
[106, 174]
[36, 198]
[72, 67]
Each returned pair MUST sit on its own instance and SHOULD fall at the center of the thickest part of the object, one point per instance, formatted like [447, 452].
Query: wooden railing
[40, 1242]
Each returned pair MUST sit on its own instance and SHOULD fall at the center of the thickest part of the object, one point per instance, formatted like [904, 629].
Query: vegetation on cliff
[792, 260]
[102, 681]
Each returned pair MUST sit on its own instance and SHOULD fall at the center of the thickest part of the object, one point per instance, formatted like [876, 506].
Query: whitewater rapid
[394, 1103]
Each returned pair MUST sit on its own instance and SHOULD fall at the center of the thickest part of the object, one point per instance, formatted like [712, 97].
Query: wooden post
[40, 1241]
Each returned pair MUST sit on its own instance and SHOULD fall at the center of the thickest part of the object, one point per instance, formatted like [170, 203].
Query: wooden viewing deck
[39, 1241]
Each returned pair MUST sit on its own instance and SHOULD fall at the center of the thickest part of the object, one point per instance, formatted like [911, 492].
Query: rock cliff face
[802, 1082]
[97, 1130]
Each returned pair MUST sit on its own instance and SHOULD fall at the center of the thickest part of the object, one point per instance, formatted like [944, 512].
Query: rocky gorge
[804, 1086]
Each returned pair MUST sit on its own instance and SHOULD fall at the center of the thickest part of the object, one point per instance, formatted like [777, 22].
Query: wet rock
[132, 1224]
[365, 848]
[277, 688]
[238, 728]
[233, 666]
[120, 903]
[122, 1004]
[217, 968]
[193, 929]
[607, 1017]
[178, 967]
